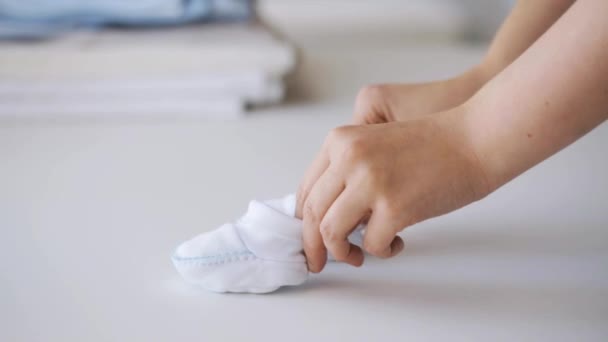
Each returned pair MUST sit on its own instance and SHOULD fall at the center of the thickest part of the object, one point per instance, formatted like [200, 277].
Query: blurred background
[129, 126]
[219, 59]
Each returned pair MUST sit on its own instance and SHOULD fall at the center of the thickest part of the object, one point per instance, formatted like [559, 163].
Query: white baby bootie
[259, 253]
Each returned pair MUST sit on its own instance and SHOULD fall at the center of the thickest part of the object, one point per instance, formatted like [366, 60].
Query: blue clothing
[43, 18]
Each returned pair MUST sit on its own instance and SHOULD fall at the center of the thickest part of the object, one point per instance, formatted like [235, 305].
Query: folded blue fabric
[41, 18]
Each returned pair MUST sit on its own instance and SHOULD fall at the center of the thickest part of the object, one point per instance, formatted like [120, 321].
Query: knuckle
[371, 94]
[373, 103]
[327, 231]
[355, 151]
[391, 209]
[310, 212]
[302, 194]
[302, 190]
[338, 134]
[360, 114]
[372, 176]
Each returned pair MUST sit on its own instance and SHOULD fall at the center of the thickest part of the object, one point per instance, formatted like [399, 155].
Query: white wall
[414, 19]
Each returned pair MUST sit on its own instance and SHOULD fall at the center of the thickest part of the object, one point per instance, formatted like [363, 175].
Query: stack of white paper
[214, 70]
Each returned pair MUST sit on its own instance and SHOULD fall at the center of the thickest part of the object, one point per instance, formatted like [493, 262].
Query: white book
[217, 108]
[253, 88]
[166, 52]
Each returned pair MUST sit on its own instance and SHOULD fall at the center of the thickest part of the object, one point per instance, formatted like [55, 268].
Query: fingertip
[356, 256]
[375, 250]
[397, 246]
[314, 250]
[316, 266]
[315, 260]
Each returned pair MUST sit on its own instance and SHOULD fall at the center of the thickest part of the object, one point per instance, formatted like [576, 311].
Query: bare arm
[396, 174]
[553, 94]
[528, 20]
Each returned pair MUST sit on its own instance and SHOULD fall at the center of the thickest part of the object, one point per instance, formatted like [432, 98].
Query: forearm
[554, 93]
[528, 20]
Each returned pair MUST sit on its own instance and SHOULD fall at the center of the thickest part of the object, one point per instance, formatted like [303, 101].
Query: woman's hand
[389, 175]
[383, 103]
[398, 173]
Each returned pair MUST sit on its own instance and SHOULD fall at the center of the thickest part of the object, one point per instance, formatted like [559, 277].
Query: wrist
[469, 82]
[482, 73]
[456, 121]
[454, 92]
[481, 135]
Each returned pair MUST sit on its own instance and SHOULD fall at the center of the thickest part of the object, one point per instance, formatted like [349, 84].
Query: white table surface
[90, 212]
